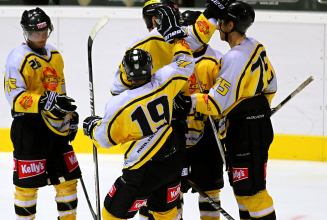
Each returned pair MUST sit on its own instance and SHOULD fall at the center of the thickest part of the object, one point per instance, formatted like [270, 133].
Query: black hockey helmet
[190, 17]
[35, 20]
[137, 64]
[242, 14]
[149, 10]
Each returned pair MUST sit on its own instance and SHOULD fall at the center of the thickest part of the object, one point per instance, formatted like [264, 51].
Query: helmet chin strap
[226, 33]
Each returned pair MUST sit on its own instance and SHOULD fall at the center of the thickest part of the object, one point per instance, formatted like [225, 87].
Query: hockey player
[154, 42]
[44, 120]
[139, 121]
[241, 97]
[201, 143]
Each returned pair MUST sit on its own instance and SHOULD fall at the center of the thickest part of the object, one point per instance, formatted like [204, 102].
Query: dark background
[285, 5]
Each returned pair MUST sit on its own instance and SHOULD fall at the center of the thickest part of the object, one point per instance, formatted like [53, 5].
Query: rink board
[292, 147]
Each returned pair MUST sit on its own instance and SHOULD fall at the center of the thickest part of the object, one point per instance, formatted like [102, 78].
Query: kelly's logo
[203, 27]
[112, 191]
[26, 101]
[173, 193]
[50, 80]
[71, 160]
[15, 164]
[30, 168]
[137, 205]
[240, 174]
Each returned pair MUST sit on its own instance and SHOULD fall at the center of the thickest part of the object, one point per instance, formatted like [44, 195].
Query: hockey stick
[101, 23]
[88, 199]
[220, 146]
[296, 91]
[213, 203]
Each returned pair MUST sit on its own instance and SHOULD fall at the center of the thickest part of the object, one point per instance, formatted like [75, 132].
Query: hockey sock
[25, 203]
[168, 215]
[258, 206]
[107, 216]
[66, 199]
[207, 212]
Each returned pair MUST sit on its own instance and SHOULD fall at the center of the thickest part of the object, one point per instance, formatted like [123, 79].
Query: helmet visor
[37, 36]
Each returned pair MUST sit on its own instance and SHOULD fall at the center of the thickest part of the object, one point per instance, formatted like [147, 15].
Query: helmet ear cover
[137, 64]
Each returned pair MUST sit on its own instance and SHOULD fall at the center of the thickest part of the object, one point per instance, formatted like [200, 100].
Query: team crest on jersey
[203, 27]
[51, 79]
[194, 85]
[26, 101]
[183, 43]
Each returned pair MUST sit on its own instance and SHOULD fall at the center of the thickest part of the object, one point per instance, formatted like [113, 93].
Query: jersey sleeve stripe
[215, 104]
[270, 92]
[207, 58]
[237, 95]
[182, 52]
[149, 39]
[197, 35]
[111, 141]
[129, 149]
[14, 101]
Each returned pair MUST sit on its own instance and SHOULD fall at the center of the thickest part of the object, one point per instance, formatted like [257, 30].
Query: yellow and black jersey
[138, 120]
[161, 51]
[28, 75]
[244, 72]
[206, 64]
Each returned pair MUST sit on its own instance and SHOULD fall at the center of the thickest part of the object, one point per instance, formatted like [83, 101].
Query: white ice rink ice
[298, 188]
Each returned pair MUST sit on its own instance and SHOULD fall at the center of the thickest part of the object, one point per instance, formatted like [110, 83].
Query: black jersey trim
[201, 52]
[143, 42]
[129, 149]
[151, 149]
[269, 93]
[15, 99]
[139, 99]
[214, 103]
[182, 52]
[196, 34]
[193, 129]
[34, 54]
[207, 58]
[246, 67]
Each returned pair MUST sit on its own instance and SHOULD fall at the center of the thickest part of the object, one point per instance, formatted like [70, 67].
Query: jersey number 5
[157, 109]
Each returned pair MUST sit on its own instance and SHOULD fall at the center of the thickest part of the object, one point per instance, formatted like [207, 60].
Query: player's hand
[181, 106]
[168, 25]
[73, 126]
[57, 104]
[89, 123]
[218, 8]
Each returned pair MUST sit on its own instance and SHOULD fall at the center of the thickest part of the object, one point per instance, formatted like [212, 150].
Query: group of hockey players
[158, 116]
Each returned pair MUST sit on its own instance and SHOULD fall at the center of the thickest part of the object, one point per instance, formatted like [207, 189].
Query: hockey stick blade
[101, 23]
[211, 202]
[296, 91]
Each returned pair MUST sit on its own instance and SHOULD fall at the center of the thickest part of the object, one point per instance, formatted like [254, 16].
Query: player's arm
[270, 92]
[120, 83]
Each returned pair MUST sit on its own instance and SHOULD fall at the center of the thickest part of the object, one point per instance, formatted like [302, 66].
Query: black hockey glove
[73, 126]
[59, 105]
[168, 26]
[217, 8]
[181, 106]
[89, 123]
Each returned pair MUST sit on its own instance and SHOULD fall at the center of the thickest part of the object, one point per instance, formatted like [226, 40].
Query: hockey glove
[57, 104]
[168, 26]
[89, 123]
[73, 126]
[181, 106]
[217, 8]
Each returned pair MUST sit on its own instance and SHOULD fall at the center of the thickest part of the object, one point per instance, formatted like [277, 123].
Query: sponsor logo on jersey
[51, 79]
[26, 101]
[240, 174]
[265, 172]
[203, 27]
[71, 160]
[30, 168]
[183, 43]
[194, 85]
[112, 191]
[173, 193]
[42, 25]
[15, 164]
[137, 205]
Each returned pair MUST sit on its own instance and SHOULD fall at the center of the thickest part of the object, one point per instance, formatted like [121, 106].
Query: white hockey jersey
[138, 120]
